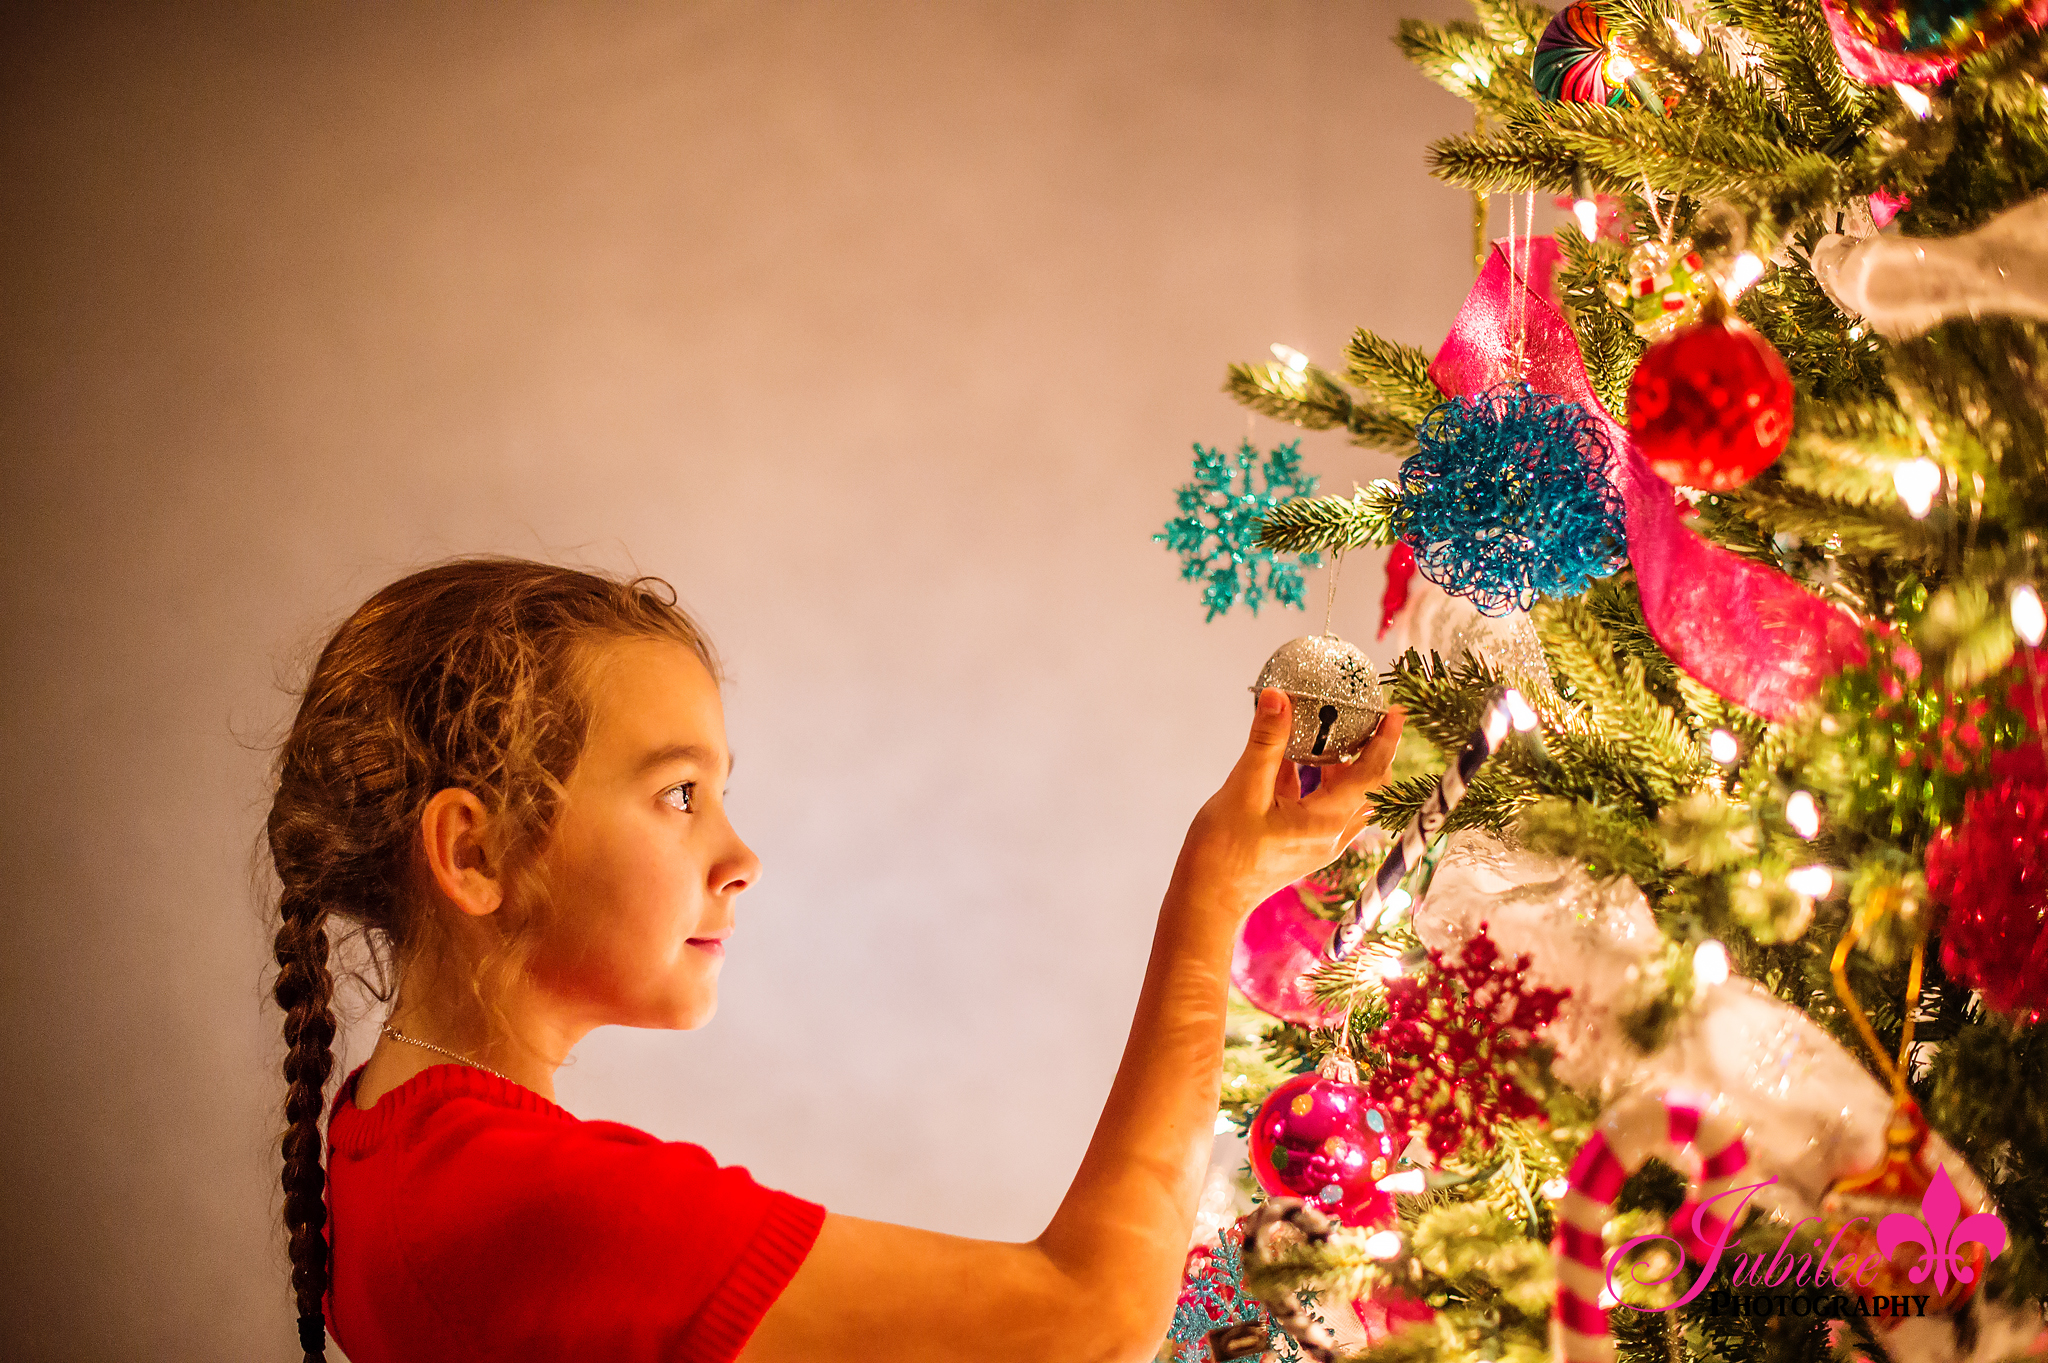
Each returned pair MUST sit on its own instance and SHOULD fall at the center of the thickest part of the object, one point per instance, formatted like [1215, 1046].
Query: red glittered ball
[1711, 406]
[1991, 870]
[1323, 1140]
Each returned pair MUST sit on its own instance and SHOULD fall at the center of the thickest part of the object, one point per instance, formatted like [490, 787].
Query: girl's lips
[711, 944]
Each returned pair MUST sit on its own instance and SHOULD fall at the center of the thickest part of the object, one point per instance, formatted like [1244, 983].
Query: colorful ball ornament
[1920, 42]
[1320, 1139]
[1507, 499]
[1711, 406]
[1577, 62]
[1991, 870]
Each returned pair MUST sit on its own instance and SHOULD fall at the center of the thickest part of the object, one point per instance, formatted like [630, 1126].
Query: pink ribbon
[1750, 633]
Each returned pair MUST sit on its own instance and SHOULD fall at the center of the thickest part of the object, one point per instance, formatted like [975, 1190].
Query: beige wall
[882, 330]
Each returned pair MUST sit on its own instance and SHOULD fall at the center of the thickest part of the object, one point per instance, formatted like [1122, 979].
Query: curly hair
[468, 675]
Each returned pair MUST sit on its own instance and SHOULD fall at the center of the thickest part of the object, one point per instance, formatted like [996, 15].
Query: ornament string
[1503, 712]
[1330, 599]
[1894, 1073]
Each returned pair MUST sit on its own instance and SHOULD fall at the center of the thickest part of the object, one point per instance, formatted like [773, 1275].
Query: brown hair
[466, 675]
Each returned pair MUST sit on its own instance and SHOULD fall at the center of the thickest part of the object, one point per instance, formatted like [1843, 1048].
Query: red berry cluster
[1450, 1036]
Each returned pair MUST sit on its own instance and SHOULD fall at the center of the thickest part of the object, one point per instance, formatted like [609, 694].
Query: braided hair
[465, 675]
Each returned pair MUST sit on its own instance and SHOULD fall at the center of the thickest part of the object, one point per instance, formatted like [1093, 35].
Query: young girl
[511, 777]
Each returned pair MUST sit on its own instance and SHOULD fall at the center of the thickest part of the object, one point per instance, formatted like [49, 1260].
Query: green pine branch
[1397, 374]
[1370, 516]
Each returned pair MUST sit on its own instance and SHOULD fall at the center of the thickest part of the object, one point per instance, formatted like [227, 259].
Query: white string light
[1407, 1181]
[1382, 1245]
[1913, 99]
[2028, 621]
[1917, 480]
[1520, 711]
[1710, 964]
[1746, 270]
[1802, 814]
[1588, 214]
[1722, 747]
[1687, 39]
[1812, 881]
[1296, 362]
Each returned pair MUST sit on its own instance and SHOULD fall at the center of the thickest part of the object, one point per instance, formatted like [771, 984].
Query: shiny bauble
[1920, 42]
[1336, 692]
[1320, 1139]
[1711, 406]
[1576, 61]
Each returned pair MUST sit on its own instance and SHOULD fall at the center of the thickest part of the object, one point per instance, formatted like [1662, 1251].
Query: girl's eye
[679, 797]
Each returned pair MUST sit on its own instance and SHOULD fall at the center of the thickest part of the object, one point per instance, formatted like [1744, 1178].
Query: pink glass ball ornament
[1278, 945]
[1320, 1139]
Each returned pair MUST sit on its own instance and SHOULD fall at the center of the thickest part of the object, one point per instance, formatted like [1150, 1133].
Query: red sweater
[473, 1219]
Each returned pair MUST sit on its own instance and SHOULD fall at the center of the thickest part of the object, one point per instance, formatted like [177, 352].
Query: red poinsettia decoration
[1991, 870]
[1451, 1034]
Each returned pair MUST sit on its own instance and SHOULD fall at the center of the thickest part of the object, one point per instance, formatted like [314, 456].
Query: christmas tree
[1733, 490]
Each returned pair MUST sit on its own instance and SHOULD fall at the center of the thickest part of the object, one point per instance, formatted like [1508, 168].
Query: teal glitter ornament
[1216, 533]
[1507, 499]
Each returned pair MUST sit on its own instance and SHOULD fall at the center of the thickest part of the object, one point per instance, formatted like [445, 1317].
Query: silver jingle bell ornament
[1338, 704]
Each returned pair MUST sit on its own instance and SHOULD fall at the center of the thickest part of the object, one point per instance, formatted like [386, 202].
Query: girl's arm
[1100, 1283]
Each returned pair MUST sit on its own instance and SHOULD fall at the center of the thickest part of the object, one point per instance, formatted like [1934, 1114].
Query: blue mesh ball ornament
[1507, 499]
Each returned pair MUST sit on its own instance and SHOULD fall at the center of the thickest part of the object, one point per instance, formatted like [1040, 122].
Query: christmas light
[1407, 1181]
[1802, 815]
[1723, 748]
[1520, 711]
[1588, 214]
[2027, 618]
[1382, 1245]
[1687, 39]
[1747, 270]
[1296, 362]
[1554, 1188]
[1913, 99]
[1812, 881]
[1917, 480]
[1710, 964]
[1224, 1124]
[1398, 901]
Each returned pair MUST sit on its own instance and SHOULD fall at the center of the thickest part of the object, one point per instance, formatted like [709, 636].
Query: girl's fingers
[1287, 782]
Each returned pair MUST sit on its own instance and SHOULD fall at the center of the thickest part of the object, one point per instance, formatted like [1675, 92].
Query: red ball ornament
[1711, 406]
[1320, 1139]
[1991, 870]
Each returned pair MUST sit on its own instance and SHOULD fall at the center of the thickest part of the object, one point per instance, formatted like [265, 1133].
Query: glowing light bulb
[1398, 901]
[1407, 1181]
[1588, 214]
[1382, 1245]
[1747, 270]
[1723, 748]
[1710, 964]
[1497, 721]
[1391, 968]
[1812, 881]
[1554, 1188]
[2028, 621]
[1687, 39]
[1917, 480]
[1224, 1124]
[1295, 361]
[1520, 711]
[1619, 69]
[1801, 813]
[1912, 99]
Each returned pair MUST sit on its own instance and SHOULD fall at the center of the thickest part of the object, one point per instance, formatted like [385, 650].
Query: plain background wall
[881, 329]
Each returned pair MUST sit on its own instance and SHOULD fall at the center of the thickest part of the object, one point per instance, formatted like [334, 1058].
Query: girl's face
[642, 863]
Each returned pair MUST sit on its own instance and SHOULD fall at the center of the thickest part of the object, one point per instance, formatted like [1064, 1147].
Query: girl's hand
[1259, 832]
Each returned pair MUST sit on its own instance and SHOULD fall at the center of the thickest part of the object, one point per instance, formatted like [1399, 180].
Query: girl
[510, 777]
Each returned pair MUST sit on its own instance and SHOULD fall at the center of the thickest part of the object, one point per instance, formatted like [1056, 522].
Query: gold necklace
[397, 1035]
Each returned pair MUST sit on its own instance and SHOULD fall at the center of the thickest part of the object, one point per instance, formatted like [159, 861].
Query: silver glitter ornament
[1336, 693]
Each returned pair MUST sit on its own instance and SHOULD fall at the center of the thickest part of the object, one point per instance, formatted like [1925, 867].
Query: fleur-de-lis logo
[1936, 1231]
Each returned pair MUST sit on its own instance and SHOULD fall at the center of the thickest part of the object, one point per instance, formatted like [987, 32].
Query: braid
[305, 990]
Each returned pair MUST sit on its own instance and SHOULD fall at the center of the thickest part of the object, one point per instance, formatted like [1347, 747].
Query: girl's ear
[452, 835]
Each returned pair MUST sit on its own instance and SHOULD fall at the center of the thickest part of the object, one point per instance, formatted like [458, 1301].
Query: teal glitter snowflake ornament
[1216, 533]
[1212, 1294]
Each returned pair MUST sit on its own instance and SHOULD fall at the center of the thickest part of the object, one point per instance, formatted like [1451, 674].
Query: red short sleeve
[477, 1220]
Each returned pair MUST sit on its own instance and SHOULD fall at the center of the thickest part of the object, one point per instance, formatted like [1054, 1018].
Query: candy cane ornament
[1629, 1133]
[1505, 711]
